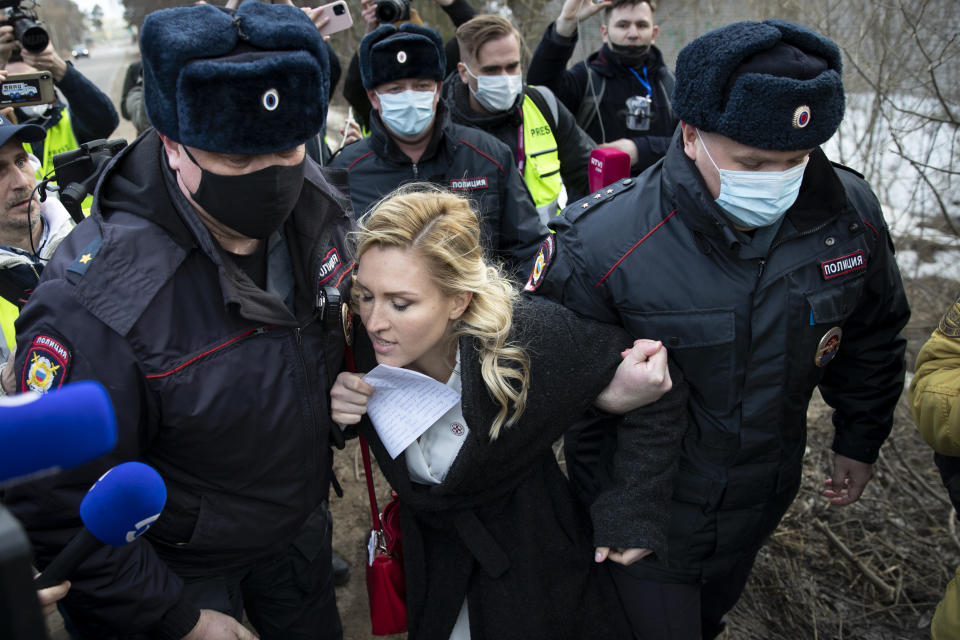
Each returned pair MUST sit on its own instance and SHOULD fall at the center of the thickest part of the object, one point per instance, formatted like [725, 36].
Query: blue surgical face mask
[757, 198]
[496, 93]
[408, 113]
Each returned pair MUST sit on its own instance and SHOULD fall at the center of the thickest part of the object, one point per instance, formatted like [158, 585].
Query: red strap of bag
[374, 511]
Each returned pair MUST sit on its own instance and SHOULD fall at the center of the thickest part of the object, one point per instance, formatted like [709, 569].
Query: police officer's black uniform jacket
[465, 160]
[573, 143]
[217, 384]
[656, 254]
[548, 67]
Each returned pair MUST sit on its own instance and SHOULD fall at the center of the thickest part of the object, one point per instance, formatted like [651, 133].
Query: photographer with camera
[621, 93]
[377, 12]
[90, 116]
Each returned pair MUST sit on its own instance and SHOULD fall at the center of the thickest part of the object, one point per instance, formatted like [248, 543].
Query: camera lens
[392, 10]
[338, 9]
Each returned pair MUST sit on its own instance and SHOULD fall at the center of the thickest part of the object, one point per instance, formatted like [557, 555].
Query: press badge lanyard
[521, 157]
[643, 80]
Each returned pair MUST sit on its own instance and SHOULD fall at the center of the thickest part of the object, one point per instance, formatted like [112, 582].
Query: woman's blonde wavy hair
[444, 229]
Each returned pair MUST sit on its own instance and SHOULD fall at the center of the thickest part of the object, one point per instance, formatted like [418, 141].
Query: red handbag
[385, 581]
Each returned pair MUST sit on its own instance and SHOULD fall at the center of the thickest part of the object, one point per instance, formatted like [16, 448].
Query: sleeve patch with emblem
[46, 365]
[541, 264]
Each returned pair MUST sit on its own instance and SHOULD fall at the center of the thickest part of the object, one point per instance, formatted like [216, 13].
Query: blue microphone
[117, 510]
[42, 434]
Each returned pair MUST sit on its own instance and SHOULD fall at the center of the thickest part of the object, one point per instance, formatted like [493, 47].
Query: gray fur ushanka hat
[250, 82]
[773, 85]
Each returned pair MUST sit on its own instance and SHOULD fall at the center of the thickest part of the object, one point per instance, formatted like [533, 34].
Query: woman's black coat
[503, 529]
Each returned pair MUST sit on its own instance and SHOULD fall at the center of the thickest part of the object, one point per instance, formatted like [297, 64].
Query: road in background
[105, 67]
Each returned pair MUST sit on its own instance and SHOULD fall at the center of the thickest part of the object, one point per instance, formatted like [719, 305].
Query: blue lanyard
[643, 80]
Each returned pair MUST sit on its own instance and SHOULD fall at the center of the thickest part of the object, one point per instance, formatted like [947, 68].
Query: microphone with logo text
[42, 434]
[117, 510]
[607, 165]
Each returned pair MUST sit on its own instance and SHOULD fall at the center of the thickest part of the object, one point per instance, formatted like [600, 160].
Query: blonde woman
[494, 544]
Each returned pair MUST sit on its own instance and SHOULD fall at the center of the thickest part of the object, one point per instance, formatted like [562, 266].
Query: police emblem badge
[46, 366]
[541, 264]
[829, 344]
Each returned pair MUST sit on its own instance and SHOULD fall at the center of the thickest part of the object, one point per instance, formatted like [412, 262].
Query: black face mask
[630, 55]
[252, 204]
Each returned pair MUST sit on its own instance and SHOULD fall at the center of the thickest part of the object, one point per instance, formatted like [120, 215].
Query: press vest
[60, 139]
[8, 314]
[541, 168]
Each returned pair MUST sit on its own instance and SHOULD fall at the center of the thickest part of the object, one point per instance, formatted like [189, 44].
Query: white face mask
[496, 93]
[757, 198]
[408, 113]
[35, 110]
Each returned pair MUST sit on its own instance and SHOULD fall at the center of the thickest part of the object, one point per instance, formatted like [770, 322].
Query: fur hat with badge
[773, 85]
[248, 82]
[391, 53]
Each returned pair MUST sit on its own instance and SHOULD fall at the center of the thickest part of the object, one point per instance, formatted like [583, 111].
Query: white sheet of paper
[405, 404]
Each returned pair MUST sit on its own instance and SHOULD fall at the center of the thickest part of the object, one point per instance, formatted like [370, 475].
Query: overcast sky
[111, 8]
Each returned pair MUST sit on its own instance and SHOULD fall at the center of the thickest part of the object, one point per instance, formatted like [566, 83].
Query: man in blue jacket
[203, 293]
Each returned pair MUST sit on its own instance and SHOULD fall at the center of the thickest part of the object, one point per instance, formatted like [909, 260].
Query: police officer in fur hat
[768, 272]
[204, 293]
[412, 138]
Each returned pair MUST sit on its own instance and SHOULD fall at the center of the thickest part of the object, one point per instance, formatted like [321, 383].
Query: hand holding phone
[338, 15]
[23, 89]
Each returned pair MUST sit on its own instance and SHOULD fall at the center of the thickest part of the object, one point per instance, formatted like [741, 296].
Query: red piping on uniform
[639, 242]
[206, 353]
[348, 270]
[483, 154]
[872, 228]
[350, 166]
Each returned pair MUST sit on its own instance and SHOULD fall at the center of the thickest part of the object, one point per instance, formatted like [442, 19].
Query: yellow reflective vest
[59, 138]
[541, 169]
[8, 314]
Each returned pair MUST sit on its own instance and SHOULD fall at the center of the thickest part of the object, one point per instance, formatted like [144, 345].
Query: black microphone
[117, 510]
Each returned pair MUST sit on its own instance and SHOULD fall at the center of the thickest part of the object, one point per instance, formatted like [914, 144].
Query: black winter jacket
[503, 529]
[549, 67]
[217, 384]
[463, 159]
[573, 143]
[657, 254]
